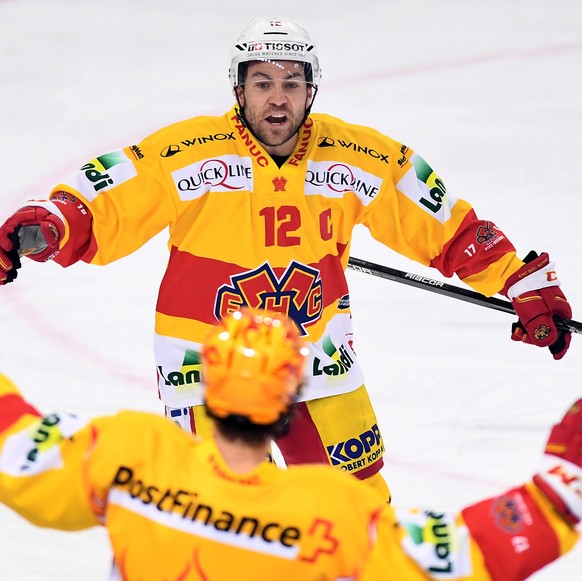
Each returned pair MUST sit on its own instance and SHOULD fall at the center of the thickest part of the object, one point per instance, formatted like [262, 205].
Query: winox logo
[331, 142]
[357, 452]
[334, 179]
[221, 174]
[297, 294]
[174, 148]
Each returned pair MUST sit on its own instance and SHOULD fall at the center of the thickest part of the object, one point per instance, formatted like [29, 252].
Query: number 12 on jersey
[283, 223]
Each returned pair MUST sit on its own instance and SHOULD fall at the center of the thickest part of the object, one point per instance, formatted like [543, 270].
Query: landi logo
[188, 374]
[47, 434]
[221, 174]
[110, 169]
[37, 449]
[342, 360]
[435, 537]
[297, 293]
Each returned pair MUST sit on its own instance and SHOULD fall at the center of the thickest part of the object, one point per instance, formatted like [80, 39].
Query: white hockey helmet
[274, 39]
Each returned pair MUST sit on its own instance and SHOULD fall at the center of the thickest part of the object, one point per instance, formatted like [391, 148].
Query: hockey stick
[448, 290]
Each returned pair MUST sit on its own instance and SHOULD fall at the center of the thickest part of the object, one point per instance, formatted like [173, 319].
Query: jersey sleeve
[41, 461]
[128, 198]
[518, 533]
[418, 217]
[505, 538]
[56, 470]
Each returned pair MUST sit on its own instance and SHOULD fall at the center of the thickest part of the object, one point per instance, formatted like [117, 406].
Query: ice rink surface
[487, 92]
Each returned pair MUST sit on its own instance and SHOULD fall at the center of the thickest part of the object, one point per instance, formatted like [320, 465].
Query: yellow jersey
[245, 231]
[175, 510]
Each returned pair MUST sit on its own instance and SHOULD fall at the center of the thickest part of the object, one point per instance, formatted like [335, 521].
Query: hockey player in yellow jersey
[177, 507]
[260, 204]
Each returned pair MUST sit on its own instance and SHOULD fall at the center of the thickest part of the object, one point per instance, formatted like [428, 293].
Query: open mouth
[277, 119]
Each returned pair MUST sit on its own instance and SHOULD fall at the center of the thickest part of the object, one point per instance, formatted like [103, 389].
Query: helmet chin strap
[308, 110]
[240, 111]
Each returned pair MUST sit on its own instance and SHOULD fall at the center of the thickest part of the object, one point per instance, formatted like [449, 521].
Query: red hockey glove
[535, 294]
[9, 259]
[35, 231]
[560, 476]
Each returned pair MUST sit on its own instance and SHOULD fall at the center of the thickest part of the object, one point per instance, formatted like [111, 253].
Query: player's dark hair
[239, 428]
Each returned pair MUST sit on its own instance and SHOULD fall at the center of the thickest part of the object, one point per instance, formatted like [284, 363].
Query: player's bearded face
[275, 97]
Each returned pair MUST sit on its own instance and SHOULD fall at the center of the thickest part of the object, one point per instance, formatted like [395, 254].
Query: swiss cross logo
[297, 293]
[279, 184]
[319, 540]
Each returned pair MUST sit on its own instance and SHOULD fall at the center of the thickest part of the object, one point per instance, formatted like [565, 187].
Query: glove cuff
[535, 275]
[48, 205]
[561, 482]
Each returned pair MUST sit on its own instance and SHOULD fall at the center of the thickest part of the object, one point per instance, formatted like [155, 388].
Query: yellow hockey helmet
[253, 363]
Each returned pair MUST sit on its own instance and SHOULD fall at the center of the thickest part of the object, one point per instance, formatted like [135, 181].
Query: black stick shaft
[448, 290]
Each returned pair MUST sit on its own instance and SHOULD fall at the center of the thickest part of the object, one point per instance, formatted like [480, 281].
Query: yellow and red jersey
[175, 510]
[244, 231]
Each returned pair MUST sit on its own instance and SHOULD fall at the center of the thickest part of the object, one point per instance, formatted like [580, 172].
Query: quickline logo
[189, 372]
